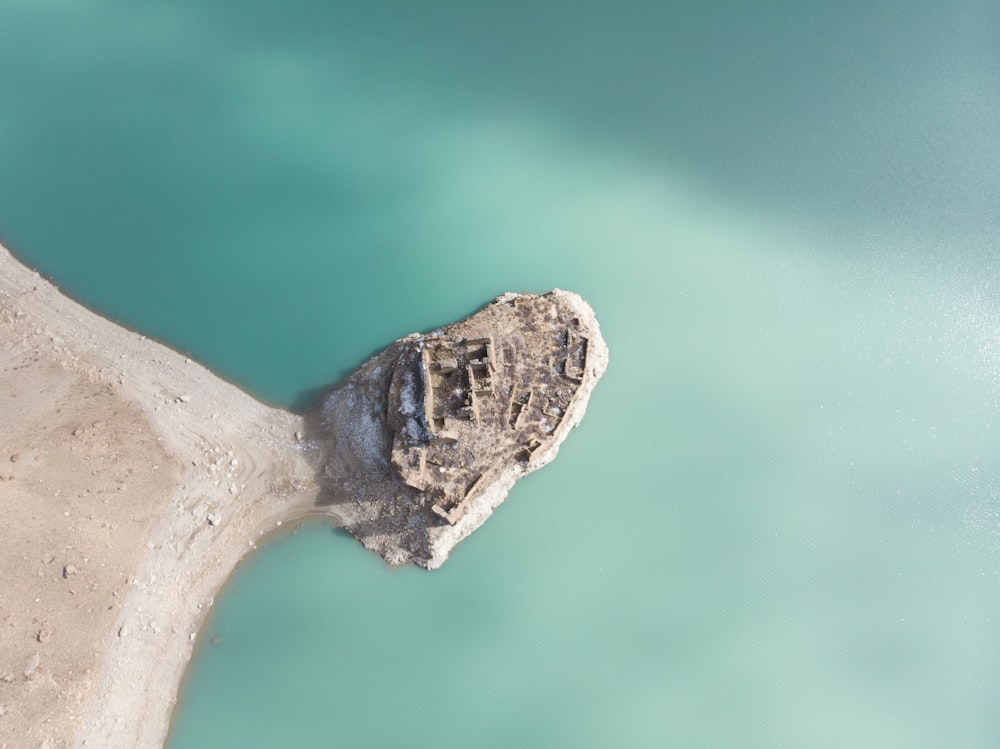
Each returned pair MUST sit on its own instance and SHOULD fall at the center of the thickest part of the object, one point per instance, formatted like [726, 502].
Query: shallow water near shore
[779, 523]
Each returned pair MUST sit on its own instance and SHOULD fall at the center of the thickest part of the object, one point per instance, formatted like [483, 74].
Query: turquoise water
[779, 525]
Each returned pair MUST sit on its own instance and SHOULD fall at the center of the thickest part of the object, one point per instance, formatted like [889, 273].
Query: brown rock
[431, 434]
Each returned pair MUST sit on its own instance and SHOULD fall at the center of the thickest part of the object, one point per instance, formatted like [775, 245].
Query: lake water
[779, 524]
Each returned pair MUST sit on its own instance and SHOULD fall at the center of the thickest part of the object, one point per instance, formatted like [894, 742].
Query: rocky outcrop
[134, 480]
[426, 439]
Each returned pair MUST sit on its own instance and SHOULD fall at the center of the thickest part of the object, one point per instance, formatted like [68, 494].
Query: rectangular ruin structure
[456, 512]
[456, 374]
[526, 452]
[519, 406]
[479, 354]
[576, 356]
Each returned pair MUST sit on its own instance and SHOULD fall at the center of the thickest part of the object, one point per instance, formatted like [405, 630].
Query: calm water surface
[779, 525]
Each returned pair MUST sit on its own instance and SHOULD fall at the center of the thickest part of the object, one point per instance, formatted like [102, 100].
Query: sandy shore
[132, 481]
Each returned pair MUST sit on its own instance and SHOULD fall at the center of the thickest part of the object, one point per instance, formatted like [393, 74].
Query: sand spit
[133, 481]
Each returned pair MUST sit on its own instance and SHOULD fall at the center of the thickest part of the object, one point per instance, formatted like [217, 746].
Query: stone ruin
[468, 404]
[425, 439]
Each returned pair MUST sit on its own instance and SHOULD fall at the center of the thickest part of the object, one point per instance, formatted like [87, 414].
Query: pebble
[214, 518]
[69, 571]
[184, 399]
[233, 489]
[44, 634]
[31, 667]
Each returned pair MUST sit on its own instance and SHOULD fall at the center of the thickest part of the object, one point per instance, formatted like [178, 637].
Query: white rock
[31, 667]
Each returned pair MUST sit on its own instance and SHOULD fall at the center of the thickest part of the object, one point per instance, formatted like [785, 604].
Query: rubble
[428, 437]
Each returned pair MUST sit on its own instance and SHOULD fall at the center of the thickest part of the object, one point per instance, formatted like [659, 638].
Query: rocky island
[133, 481]
[427, 438]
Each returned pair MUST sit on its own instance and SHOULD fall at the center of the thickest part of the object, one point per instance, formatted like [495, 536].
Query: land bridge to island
[134, 481]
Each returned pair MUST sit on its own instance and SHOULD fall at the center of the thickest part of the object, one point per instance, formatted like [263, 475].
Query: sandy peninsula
[133, 481]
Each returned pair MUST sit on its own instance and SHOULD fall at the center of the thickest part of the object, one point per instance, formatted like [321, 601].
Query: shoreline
[141, 481]
[197, 471]
[270, 537]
